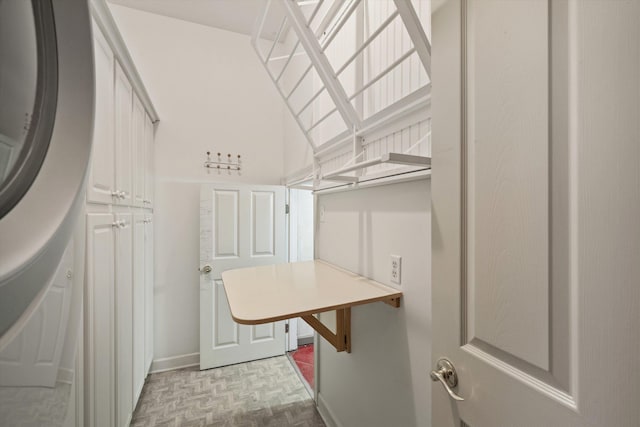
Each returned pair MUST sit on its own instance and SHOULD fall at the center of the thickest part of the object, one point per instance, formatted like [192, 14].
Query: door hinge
[286, 208]
[286, 328]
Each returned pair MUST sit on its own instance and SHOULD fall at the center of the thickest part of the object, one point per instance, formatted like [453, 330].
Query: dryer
[46, 124]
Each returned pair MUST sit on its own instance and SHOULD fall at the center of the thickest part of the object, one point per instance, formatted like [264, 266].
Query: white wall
[385, 380]
[297, 151]
[212, 94]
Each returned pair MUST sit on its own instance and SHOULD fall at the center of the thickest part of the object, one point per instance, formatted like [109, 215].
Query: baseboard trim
[326, 414]
[305, 340]
[174, 362]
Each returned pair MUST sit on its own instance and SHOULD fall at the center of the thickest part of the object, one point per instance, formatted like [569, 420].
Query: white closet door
[148, 292]
[123, 137]
[536, 201]
[102, 174]
[99, 321]
[124, 318]
[241, 225]
[149, 163]
[138, 304]
[139, 119]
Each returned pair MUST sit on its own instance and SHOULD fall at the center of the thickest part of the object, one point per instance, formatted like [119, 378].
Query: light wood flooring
[261, 393]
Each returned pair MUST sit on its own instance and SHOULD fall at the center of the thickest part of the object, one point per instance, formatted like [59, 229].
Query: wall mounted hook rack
[221, 162]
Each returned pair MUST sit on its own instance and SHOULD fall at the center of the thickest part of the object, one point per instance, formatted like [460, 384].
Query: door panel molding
[541, 381]
[263, 226]
[226, 239]
[507, 292]
[260, 333]
[222, 338]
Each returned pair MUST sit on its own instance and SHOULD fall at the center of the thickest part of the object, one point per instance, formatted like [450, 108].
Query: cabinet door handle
[118, 194]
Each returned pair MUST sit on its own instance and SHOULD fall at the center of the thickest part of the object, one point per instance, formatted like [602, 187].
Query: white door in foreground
[240, 226]
[535, 210]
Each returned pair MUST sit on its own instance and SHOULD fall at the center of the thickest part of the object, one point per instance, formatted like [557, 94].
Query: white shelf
[388, 158]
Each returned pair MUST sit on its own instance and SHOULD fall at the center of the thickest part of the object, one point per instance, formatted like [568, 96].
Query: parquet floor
[255, 394]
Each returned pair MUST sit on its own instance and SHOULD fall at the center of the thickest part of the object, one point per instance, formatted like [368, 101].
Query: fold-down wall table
[301, 289]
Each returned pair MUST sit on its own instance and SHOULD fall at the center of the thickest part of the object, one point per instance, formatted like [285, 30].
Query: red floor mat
[303, 357]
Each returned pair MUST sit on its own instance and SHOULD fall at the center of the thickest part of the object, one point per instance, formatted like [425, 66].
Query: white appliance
[46, 124]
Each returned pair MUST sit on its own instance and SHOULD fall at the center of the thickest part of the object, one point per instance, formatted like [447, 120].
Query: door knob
[206, 269]
[446, 374]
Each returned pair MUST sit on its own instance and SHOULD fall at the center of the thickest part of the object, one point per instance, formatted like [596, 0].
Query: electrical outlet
[396, 268]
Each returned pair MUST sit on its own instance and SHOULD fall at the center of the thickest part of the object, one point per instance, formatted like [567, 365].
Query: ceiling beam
[322, 65]
[416, 32]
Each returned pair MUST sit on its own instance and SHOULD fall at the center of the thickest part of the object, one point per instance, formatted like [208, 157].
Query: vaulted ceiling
[233, 15]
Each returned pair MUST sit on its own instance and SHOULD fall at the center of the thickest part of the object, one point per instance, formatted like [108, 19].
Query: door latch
[206, 269]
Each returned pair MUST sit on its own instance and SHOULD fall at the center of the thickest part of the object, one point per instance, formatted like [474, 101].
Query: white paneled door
[101, 185]
[124, 318]
[148, 291]
[99, 321]
[139, 320]
[139, 151]
[240, 226]
[535, 207]
[123, 141]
